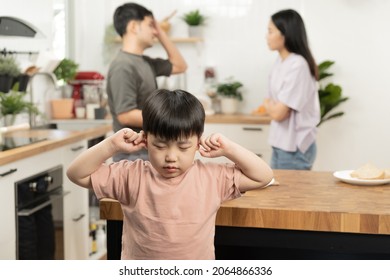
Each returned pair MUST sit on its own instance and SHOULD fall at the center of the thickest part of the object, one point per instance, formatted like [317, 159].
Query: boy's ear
[146, 141]
[198, 143]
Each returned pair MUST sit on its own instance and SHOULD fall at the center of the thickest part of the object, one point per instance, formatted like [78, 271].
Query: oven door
[39, 216]
[40, 229]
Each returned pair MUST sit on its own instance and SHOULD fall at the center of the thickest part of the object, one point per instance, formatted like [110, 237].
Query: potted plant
[66, 70]
[330, 95]
[14, 103]
[195, 20]
[231, 95]
[9, 69]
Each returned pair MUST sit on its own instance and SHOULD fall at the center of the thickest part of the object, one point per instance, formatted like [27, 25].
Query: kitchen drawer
[252, 137]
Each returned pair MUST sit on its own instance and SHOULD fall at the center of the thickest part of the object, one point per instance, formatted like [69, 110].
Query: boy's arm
[179, 65]
[125, 140]
[256, 172]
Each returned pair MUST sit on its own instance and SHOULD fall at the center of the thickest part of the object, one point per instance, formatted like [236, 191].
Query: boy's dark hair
[127, 12]
[171, 115]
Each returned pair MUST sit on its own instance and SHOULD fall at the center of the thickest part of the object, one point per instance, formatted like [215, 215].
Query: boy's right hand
[128, 141]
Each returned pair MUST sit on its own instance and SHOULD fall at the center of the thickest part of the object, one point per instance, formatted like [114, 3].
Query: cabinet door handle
[75, 149]
[259, 155]
[252, 128]
[13, 170]
[78, 218]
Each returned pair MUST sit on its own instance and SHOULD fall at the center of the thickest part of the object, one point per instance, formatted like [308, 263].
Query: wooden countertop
[55, 139]
[238, 119]
[304, 200]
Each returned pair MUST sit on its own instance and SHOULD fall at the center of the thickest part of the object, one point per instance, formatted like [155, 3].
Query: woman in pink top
[292, 102]
[170, 202]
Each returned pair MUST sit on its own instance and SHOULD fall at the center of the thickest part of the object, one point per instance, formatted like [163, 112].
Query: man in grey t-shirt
[132, 75]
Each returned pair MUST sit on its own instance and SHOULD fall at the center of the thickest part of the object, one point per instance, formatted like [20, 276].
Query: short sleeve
[161, 67]
[297, 83]
[229, 177]
[113, 181]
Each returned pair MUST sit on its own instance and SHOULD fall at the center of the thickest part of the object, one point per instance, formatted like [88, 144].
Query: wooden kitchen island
[309, 215]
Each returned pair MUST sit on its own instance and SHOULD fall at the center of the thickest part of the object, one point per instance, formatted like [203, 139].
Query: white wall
[38, 13]
[354, 33]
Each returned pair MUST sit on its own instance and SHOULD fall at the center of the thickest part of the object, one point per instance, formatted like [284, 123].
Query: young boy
[170, 202]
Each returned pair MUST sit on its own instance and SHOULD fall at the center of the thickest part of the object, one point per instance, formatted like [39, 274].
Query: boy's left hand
[214, 145]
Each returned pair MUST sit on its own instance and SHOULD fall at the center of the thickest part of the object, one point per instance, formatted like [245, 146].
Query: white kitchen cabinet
[9, 174]
[76, 211]
[251, 136]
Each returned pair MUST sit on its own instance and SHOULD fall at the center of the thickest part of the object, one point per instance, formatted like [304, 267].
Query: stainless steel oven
[39, 216]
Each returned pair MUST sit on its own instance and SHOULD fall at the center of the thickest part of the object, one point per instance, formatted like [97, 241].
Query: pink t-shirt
[167, 218]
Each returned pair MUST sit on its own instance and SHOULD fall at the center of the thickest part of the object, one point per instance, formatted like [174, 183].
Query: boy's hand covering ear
[213, 145]
[129, 141]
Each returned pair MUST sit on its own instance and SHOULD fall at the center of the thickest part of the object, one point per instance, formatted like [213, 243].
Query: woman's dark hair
[127, 12]
[171, 115]
[291, 25]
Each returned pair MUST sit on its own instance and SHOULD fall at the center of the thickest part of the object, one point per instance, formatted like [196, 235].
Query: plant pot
[229, 105]
[5, 83]
[100, 113]
[62, 108]
[195, 31]
[9, 119]
[22, 79]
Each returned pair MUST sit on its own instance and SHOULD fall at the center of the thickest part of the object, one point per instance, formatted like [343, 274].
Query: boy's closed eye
[184, 147]
[159, 145]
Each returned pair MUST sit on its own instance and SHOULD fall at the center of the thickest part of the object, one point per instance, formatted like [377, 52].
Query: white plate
[345, 176]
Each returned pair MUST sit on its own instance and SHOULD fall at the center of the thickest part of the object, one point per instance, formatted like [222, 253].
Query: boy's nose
[170, 157]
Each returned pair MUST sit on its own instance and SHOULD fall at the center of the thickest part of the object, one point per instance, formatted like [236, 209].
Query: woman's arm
[125, 140]
[256, 172]
[276, 109]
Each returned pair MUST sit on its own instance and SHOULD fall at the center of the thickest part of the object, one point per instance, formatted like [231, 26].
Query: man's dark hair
[127, 12]
[171, 115]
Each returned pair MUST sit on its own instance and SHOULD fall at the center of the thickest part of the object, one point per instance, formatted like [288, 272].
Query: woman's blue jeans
[293, 160]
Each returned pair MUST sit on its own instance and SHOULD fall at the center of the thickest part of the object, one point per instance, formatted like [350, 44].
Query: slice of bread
[368, 172]
[387, 173]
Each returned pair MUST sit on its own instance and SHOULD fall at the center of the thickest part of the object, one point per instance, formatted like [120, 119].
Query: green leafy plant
[194, 18]
[66, 70]
[330, 95]
[9, 66]
[230, 89]
[13, 103]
